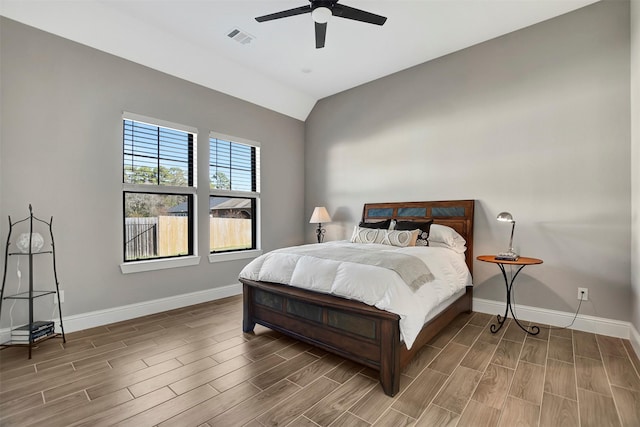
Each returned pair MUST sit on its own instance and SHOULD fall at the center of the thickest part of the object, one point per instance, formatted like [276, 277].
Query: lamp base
[507, 256]
[320, 233]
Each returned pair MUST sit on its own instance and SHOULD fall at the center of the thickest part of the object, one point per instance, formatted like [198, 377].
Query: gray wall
[536, 122]
[61, 147]
[635, 160]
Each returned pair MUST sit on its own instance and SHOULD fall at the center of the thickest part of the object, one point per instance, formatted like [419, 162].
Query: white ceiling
[280, 69]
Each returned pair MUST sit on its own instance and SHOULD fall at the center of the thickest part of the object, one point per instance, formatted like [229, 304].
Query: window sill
[158, 264]
[231, 256]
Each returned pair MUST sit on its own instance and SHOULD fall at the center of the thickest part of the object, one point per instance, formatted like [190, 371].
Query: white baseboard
[635, 340]
[93, 319]
[598, 325]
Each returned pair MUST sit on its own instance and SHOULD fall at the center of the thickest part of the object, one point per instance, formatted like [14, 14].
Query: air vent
[240, 36]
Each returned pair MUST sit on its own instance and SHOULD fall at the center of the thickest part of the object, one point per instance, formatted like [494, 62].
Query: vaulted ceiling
[280, 68]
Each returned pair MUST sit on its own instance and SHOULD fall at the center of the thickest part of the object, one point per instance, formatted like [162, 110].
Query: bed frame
[352, 329]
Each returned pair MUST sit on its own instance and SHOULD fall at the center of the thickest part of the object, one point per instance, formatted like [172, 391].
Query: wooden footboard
[347, 328]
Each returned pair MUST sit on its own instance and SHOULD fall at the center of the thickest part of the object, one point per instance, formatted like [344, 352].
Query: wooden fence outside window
[168, 236]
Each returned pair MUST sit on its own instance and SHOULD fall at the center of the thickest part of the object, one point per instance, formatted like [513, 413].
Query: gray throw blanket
[412, 270]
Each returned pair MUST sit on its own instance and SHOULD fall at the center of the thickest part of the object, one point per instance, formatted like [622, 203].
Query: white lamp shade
[320, 215]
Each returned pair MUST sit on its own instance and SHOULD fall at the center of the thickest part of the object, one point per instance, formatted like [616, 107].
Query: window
[158, 189]
[234, 195]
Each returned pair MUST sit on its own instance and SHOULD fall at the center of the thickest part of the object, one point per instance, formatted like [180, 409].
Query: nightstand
[520, 263]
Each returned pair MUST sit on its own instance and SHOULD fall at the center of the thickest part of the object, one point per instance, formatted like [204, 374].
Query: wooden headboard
[457, 214]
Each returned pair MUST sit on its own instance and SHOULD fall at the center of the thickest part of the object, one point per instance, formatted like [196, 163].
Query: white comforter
[376, 286]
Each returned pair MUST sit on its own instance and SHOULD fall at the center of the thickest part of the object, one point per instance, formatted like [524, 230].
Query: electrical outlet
[583, 294]
[55, 297]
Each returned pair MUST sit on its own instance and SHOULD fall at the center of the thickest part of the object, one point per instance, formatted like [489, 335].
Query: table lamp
[319, 216]
[510, 255]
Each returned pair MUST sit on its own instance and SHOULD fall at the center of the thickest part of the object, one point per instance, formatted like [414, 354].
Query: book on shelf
[36, 336]
[26, 341]
[35, 327]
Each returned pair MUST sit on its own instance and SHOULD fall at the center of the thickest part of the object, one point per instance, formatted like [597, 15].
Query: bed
[355, 330]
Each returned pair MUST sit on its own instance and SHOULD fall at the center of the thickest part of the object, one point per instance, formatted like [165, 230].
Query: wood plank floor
[194, 367]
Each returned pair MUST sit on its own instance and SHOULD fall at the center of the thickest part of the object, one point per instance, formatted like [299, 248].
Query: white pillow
[443, 236]
[457, 249]
[402, 238]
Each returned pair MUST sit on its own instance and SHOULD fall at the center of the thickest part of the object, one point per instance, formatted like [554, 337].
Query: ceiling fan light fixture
[321, 15]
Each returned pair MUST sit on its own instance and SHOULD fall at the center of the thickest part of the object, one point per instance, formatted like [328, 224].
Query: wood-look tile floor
[194, 367]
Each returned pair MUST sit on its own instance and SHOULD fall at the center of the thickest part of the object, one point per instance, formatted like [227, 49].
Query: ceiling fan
[321, 11]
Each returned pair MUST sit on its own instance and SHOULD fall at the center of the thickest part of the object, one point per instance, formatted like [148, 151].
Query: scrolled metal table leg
[532, 330]
[501, 319]
[495, 328]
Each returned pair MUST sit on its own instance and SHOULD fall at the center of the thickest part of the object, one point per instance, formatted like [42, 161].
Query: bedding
[371, 284]
[446, 237]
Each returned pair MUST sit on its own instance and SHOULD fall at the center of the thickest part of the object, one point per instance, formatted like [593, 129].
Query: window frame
[236, 254]
[134, 266]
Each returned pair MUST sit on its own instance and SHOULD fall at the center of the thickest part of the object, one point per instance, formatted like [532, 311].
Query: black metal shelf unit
[32, 293]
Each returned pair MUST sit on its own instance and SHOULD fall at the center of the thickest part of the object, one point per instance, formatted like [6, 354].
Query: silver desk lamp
[510, 255]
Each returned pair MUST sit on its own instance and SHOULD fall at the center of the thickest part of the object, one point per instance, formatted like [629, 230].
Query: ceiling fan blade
[321, 33]
[285, 13]
[357, 15]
